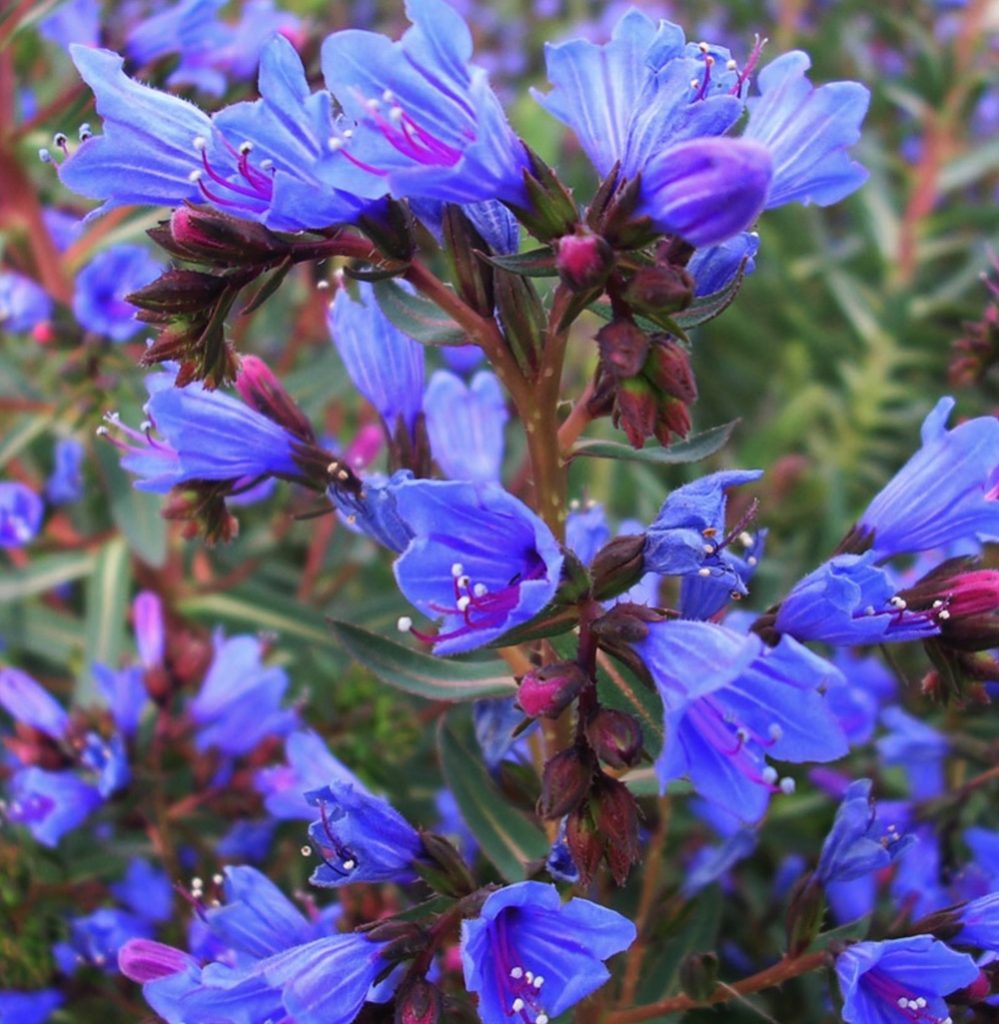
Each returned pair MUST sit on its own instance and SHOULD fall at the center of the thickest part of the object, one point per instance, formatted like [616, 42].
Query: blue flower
[426, 124]
[360, 838]
[980, 923]
[21, 513]
[374, 511]
[247, 840]
[713, 863]
[849, 601]
[50, 804]
[106, 761]
[65, 485]
[495, 722]
[729, 702]
[27, 702]
[499, 229]
[946, 492]
[687, 537]
[559, 862]
[29, 1007]
[529, 957]
[702, 597]
[465, 425]
[310, 766]
[479, 558]
[23, 304]
[858, 845]
[385, 365]
[868, 684]
[101, 286]
[714, 267]
[145, 890]
[204, 435]
[75, 21]
[586, 531]
[125, 692]
[919, 748]
[807, 132]
[239, 703]
[96, 938]
[901, 980]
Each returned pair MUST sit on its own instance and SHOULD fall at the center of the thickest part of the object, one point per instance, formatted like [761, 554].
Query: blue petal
[465, 425]
[28, 702]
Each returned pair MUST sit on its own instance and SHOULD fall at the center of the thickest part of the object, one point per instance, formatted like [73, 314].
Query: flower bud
[615, 813]
[699, 975]
[616, 737]
[262, 391]
[585, 843]
[636, 410]
[978, 991]
[618, 565]
[625, 623]
[964, 602]
[447, 873]
[624, 348]
[566, 781]
[208, 236]
[672, 417]
[546, 692]
[668, 369]
[583, 259]
[420, 1003]
[804, 914]
[660, 289]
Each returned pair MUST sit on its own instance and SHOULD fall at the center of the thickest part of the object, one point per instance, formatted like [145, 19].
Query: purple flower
[946, 492]
[101, 286]
[21, 513]
[807, 132]
[75, 21]
[714, 267]
[23, 304]
[96, 938]
[374, 511]
[150, 635]
[849, 600]
[529, 957]
[145, 890]
[729, 702]
[30, 704]
[361, 838]
[385, 365]
[687, 537]
[50, 804]
[423, 122]
[479, 559]
[65, 485]
[465, 425]
[901, 980]
[857, 844]
[239, 703]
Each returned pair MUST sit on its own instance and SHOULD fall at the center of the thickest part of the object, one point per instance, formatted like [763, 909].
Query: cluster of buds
[975, 355]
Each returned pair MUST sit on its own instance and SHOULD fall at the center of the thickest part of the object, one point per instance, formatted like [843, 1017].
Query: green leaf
[107, 603]
[536, 263]
[695, 448]
[506, 837]
[33, 627]
[423, 674]
[261, 609]
[20, 436]
[43, 573]
[416, 316]
[135, 513]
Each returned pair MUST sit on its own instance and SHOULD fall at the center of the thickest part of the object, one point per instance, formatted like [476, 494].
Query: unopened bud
[615, 813]
[979, 990]
[804, 914]
[699, 975]
[448, 873]
[585, 843]
[625, 623]
[668, 369]
[583, 259]
[420, 1003]
[624, 348]
[616, 737]
[213, 237]
[566, 782]
[636, 410]
[618, 565]
[672, 417]
[660, 289]
[546, 692]
[262, 390]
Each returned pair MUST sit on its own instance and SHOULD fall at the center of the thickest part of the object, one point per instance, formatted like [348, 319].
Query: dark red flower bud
[213, 237]
[585, 842]
[979, 989]
[616, 737]
[615, 813]
[618, 565]
[625, 623]
[962, 599]
[262, 391]
[636, 410]
[668, 369]
[583, 259]
[624, 347]
[420, 1003]
[546, 692]
[672, 417]
[660, 289]
[566, 781]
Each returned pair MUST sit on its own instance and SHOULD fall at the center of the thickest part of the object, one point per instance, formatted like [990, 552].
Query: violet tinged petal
[465, 425]
[21, 512]
[30, 703]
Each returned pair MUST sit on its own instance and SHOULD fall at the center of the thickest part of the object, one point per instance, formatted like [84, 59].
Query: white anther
[372, 104]
[943, 614]
[463, 602]
[60, 139]
[334, 144]
[746, 539]
[938, 603]
[200, 142]
[574, 505]
[518, 1005]
[217, 879]
[480, 590]
[705, 571]
[464, 581]
[695, 84]
[457, 569]
[196, 883]
[516, 972]
[752, 560]
[542, 1018]
[102, 431]
[769, 775]
[245, 147]
[396, 114]
[731, 65]
[787, 785]
[703, 47]
[743, 734]
[348, 133]
[775, 731]
[709, 60]
[529, 975]
[352, 521]
[194, 176]
[306, 851]
[920, 1003]
[709, 549]
[145, 426]
[902, 1003]
[45, 156]
[405, 624]
[349, 865]
[870, 610]
[898, 602]
[266, 165]
[388, 96]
